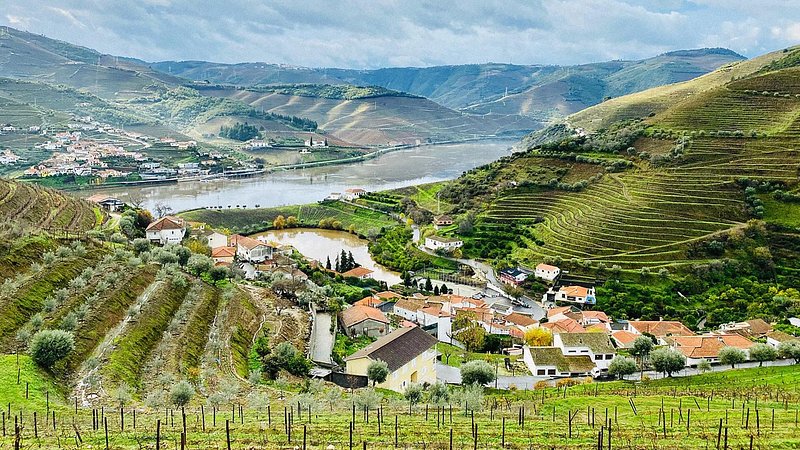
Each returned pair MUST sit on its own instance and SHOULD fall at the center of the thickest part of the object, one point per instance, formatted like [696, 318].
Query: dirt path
[101, 351]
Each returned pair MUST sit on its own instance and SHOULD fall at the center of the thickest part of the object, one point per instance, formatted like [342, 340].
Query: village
[417, 328]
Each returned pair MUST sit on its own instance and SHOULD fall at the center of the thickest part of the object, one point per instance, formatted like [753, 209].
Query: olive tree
[181, 393]
[476, 372]
[621, 366]
[762, 352]
[199, 264]
[790, 349]
[49, 346]
[667, 361]
[377, 371]
[732, 356]
[704, 366]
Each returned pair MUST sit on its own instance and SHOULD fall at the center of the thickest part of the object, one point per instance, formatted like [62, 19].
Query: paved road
[714, 368]
[322, 339]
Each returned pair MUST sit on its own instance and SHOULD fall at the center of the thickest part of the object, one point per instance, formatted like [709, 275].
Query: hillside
[375, 118]
[538, 91]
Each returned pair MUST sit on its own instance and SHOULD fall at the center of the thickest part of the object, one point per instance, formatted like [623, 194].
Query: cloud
[375, 33]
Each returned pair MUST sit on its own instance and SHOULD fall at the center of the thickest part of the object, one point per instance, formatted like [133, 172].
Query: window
[540, 372]
[551, 371]
[610, 356]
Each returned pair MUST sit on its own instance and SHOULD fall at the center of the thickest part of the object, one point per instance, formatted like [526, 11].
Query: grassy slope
[193, 341]
[144, 333]
[43, 208]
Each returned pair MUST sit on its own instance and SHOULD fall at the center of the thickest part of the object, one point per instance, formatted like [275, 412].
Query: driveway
[321, 339]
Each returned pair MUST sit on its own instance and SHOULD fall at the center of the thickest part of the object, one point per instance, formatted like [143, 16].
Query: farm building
[409, 352]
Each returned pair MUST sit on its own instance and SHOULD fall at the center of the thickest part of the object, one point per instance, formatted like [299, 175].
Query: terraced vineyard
[42, 208]
[649, 215]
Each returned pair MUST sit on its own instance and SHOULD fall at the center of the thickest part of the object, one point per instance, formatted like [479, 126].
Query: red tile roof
[223, 252]
[358, 272]
[624, 338]
[564, 326]
[547, 267]
[708, 346]
[166, 223]
[246, 242]
[359, 313]
[369, 301]
[661, 328]
[520, 319]
[560, 310]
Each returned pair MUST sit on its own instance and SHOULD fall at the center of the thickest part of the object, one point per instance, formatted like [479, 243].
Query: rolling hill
[673, 178]
[539, 91]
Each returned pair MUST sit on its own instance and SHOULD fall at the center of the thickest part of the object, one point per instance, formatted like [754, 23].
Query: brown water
[426, 164]
[320, 244]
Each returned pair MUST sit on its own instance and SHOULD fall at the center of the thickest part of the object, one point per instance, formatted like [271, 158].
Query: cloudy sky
[377, 33]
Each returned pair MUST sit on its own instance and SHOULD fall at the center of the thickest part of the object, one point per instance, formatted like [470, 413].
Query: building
[251, 250]
[623, 339]
[776, 338]
[442, 221]
[166, 230]
[571, 294]
[354, 193]
[697, 348]
[360, 320]
[551, 362]
[546, 272]
[409, 352]
[407, 308]
[111, 204]
[443, 243]
[513, 277]
[310, 142]
[754, 329]
[661, 329]
[223, 254]
[596, 345]
[211, 238]
[358, 272]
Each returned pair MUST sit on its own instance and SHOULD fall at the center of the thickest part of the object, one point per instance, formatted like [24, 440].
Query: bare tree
[163, 210]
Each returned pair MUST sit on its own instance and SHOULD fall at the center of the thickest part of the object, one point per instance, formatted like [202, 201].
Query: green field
[753, 405]
[259, 219]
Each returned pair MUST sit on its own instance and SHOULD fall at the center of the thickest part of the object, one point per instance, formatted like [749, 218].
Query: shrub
[438, 393]
[49, 346]
[413, 393]
[704, 366]
[476, 372]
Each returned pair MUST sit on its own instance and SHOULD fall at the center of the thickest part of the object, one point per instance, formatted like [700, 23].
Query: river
[321, 244]
[401, 168]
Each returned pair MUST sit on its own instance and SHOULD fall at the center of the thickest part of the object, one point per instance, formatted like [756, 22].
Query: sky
[383, 33]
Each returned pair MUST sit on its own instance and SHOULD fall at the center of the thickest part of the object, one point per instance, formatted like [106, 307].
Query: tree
[473, 337]
[279, 223]
[436, 290]
[704, 366]
[513, 291]
[438, 393]
[47, 347]
[476, 372]
[181, 393]
[762, 352]
[291, 222]
[123, 394]
[413, 393]
[642, 346]
[444, 289]
[732, 356]
[621, 366]
[199, 264]
[539, 337]
[328, 263]
[377, 371]
[219, 273]
[667, 360]
[428, 285]
[790, 349]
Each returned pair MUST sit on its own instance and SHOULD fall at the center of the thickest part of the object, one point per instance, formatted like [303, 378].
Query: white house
[596, 345]
[547, 272]
[354, 193]
[407, 309]
[776, 338]
[252, 250]
[166, 230]
[550, 362]
[444, 243]
[571, 294]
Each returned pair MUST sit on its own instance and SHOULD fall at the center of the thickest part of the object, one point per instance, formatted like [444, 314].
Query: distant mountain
[539, 91]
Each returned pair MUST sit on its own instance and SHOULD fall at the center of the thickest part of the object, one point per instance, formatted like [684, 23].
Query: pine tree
[328, 263]
[352, 260]
[428, 285]
[338, 264]
[345, 261]
[444, 289]
[436, 290]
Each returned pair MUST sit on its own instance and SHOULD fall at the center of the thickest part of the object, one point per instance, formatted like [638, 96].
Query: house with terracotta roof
[563, 312]
[223, 254]
[546, 272]
[659, 328]
[754, 328]
[443, 243]
[360, 320]
[697, 348]
[166, 230]
[251, 250]
[358, 272]
[624, 339]
[596, 345]
[442, 221]
[570, 294]
[407, 308]
[409, 352]
[566, 325]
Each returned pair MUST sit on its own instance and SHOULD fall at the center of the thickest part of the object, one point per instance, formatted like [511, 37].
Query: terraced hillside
[690, 164]
[42, 208]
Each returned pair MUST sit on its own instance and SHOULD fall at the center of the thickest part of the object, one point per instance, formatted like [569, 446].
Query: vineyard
[748, 408]
[650, 215]
[42, 208]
